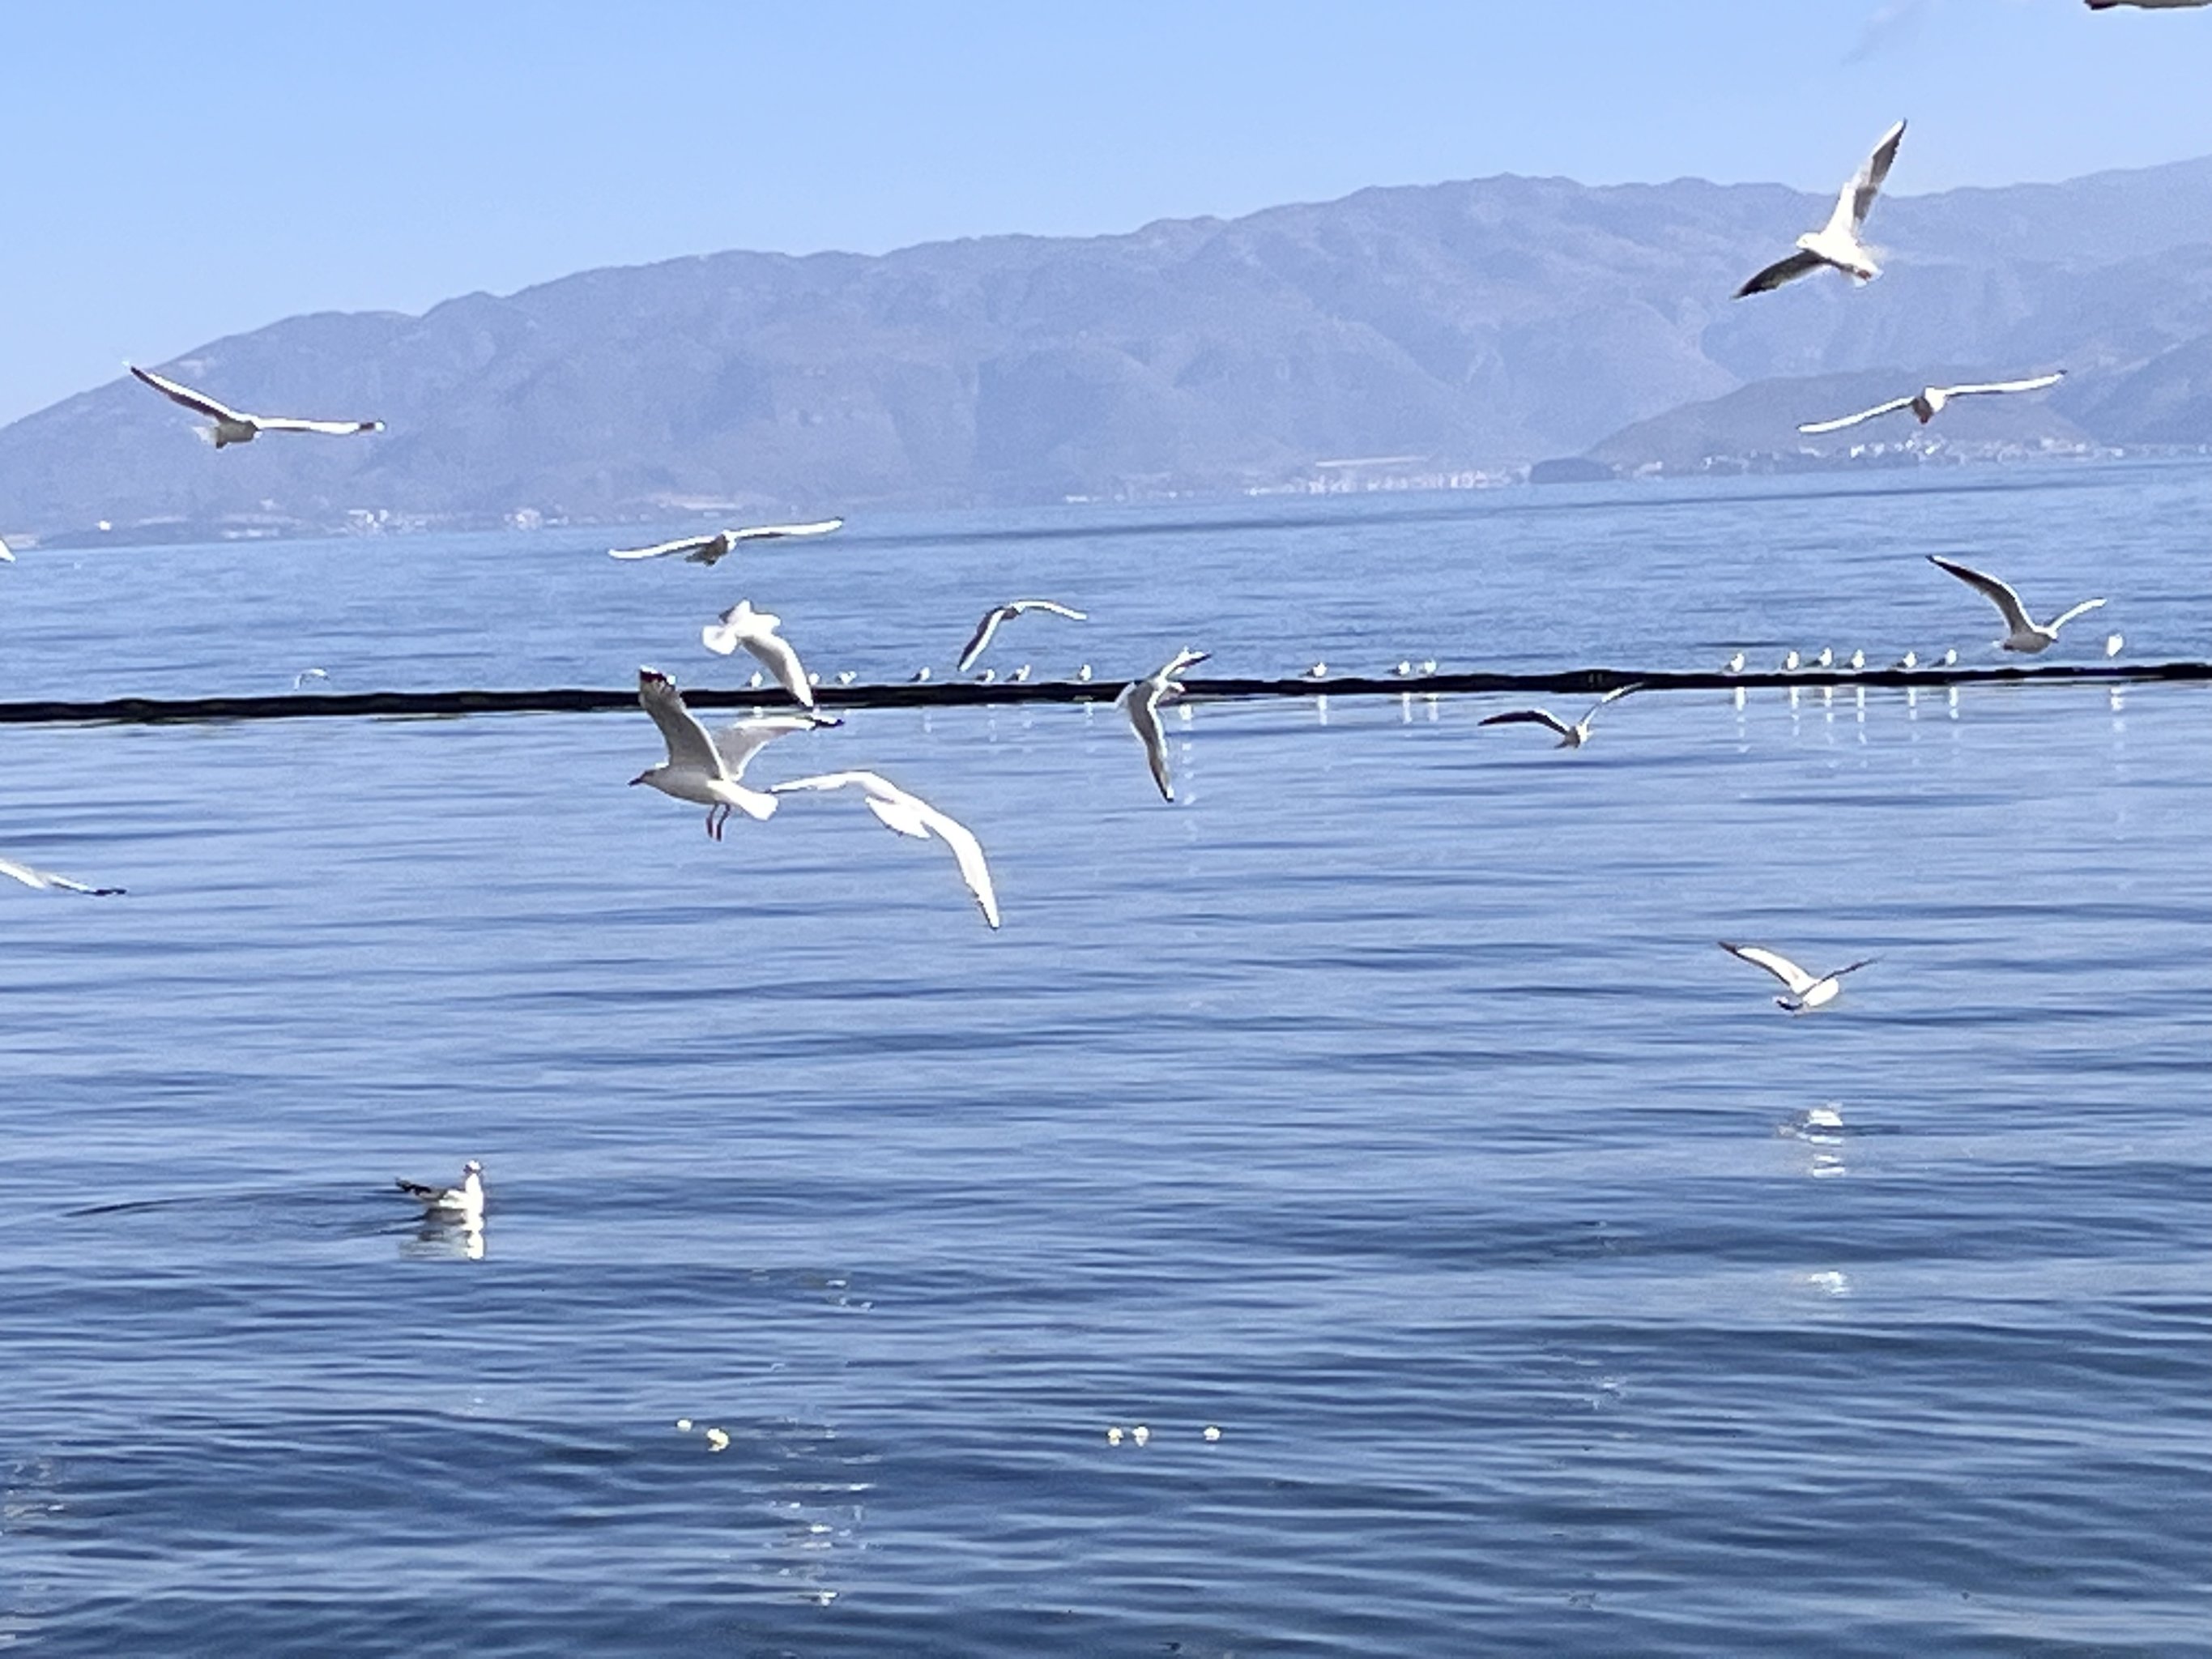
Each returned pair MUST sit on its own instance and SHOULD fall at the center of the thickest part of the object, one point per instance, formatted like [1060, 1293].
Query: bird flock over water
[707, 768]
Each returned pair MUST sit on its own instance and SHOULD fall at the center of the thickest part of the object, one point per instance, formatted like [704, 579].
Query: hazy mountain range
[1425, 329]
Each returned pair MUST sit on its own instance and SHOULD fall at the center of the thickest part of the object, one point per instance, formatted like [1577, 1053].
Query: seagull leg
[716, 816]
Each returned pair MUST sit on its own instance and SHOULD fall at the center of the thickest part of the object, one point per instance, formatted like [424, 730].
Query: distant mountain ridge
[1482, 325]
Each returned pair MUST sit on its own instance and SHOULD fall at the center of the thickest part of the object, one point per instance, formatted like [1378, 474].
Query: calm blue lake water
[1383, 1104]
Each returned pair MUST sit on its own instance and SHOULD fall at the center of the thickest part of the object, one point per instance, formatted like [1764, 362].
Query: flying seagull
[1007, 612]
[2023, 632]
[50, 882]
[756, 630]
[1928, 403]
[1806, 992]
[910, 815]
[1141, 700]
[705, 550]
[463, 1203]
[1836, 244]
[235, 427]
[707, 769]
[1570, 737]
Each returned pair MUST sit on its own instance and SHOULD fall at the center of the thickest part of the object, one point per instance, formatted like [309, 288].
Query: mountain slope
[1480, 324]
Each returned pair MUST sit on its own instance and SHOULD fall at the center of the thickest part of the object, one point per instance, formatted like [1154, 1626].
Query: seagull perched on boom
[705, 550]
[910, 815]
[1928, 403]
[756, 630]
[2023, 632]
[704, 768]
[1836, 243]
[234, 426]
[463, 1203]
[1806, 992]
[1001, 613]
[1140, 700]
[1570, 737]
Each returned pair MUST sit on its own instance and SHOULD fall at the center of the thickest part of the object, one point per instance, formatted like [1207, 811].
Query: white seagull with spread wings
[706, 768]
[1836, 243]
[1140, 700]
[2022, 632]
[910, 815]
[756, 630]
[233, 426]
[1806, 992]
[48, 881]
[1928, 401]
[1007, 612]
[1570, 737]
[705, 550]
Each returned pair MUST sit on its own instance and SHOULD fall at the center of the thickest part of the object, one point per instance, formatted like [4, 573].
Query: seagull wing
[1857, 198]
[776, 656]
[910, 815]
[2035, 385]
[2065, 616]
[967, 852]
[689, 744]
[1530, 717]
[981, 636]
[47, 879]
[336, 428]
[1836, 425]
[660, 550]
[1017, 607]
[737, 745]
[1998, 593]
[762, 533]
[1142, 703]
[1863, 962]
[1782, 270]
[199, 402]
[1794, 979]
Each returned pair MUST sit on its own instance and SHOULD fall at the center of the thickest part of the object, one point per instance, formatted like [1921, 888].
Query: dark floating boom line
[956, 694]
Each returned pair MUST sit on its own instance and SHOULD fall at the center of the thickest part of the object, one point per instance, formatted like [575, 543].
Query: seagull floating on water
[706, 549]
[1826, 659]
[756, 630]
[704, 768]
[6, 557]
[1928, 403]
[1140, 700]
[1318, 672]
[1806, 992]
[1570, 737]
[1001, 613]
[910, 815]
[1733, 665]
[48, 881]
[2023, 632]
[1910, 660]
[463, 1203]
[919, 675]
[1791, 662]
[235, 427]
[1855, 661]
[1836, 244]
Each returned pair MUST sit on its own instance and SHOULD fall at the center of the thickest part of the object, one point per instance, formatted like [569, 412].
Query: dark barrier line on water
[954, 694]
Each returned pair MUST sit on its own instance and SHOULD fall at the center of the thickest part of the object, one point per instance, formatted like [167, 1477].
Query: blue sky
[178, 172]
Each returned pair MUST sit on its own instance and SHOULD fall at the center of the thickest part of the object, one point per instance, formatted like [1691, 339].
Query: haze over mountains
[1425, 330]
